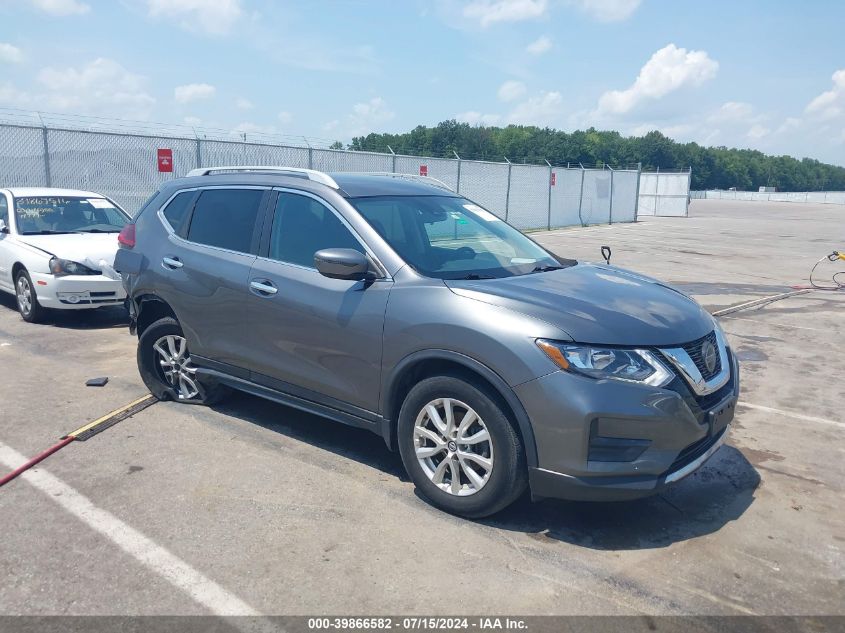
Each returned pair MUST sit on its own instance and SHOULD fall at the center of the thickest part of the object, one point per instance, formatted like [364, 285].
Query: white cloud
[732, 111]
[477, 118]
[214, 17]
[284, 117]
[10, 54]
[193, 92]
[243, 104]
[831, 103]
[608, 10]
[366, 117]
[511, 90]
[539, 46]
[102, 86]
[192, 121]
[61, 7]
[545, 109]
[669, 69]
[489, 12]
[758, 131]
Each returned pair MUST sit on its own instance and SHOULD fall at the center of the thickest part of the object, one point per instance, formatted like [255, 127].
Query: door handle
[263, 287]
[171, 262]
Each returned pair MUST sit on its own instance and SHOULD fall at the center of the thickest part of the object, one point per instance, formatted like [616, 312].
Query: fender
[498, 383]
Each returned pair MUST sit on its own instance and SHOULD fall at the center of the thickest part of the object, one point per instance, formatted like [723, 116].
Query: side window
[4, 209]
[175, 211]
[226, 218]
[302, 226]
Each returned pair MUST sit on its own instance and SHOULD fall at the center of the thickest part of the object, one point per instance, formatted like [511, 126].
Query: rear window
[226, 218]
[175, 211]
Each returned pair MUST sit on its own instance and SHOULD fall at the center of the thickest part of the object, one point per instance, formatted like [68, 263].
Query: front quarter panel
[426, 315]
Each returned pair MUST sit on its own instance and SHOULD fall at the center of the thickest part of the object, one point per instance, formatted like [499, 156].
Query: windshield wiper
[95, 231]
[46, 232]
[545, 269]
[474, 276]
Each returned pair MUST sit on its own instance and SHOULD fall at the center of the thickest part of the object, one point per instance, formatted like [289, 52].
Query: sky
[764, 74]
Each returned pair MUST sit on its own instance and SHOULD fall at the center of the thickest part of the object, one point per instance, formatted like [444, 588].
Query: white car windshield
[46, 215]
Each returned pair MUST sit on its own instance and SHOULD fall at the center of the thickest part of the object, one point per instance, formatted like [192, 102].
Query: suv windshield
[38, 215]
[453, 238]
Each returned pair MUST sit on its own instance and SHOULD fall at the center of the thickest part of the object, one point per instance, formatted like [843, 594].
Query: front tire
[164, 363]
[460, 448]
[27, 301]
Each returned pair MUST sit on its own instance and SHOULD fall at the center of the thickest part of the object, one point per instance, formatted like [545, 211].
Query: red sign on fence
[165, 160]
[423, 170]
[554, 179]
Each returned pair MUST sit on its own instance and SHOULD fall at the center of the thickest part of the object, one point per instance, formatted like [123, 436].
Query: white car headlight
[632, 365]
[67, 267]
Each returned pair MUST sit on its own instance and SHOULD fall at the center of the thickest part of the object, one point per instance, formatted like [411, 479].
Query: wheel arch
[427, 363]
[151, 308]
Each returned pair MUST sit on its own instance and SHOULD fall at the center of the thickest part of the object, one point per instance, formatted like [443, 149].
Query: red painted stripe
[32, 462]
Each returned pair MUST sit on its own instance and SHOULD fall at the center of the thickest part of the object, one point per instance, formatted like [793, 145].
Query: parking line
[790, 414]
[143, 549]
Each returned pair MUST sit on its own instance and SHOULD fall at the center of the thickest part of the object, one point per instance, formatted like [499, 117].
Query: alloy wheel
[24, 295]
[176, 367]
[453, 446]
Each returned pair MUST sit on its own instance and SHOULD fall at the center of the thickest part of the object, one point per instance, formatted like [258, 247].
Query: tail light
[126, 238]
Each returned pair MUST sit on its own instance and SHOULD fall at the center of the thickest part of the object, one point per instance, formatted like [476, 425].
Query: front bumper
[77, 292]
[609, 440]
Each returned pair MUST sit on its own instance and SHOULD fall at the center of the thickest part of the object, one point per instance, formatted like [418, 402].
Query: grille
[694, 351]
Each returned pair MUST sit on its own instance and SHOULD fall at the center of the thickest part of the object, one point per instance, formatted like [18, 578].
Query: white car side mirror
[3, 227]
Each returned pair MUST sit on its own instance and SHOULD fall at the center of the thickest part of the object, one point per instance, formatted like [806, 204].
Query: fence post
[610, 211]
[393, 161]
[199, 148]
[310, 154]
[549, 217]
[689, 184]
[48, 178]
[508, 191]
[637, 202]
[581, 196]
[459, 170]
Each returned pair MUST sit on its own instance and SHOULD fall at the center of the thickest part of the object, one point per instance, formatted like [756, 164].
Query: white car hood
[95, 250]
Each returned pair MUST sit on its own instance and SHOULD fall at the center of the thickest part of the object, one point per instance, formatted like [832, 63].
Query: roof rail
[310, 174]
[426, 179]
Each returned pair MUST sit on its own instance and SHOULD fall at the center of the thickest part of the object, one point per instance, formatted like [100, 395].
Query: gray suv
[390, 303]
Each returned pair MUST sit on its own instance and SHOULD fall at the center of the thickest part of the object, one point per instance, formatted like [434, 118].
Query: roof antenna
[606, 253]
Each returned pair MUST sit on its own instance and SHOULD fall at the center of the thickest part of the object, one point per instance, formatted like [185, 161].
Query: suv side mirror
[342, 263]
[3, 227]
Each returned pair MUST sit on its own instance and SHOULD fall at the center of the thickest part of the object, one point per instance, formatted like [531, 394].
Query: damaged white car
[57, 249]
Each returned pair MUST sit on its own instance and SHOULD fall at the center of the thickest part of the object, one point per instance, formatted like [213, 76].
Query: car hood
[597, 304]
[95, 250]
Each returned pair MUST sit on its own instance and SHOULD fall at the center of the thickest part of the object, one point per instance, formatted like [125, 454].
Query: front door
[316, 337]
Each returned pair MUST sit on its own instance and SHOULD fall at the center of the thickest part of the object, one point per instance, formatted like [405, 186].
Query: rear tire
[473, 478]
[164, 363]
[27, 301]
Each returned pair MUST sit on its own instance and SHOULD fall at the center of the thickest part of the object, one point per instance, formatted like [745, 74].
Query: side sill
[290, 400]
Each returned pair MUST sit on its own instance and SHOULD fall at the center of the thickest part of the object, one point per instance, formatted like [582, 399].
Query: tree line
[712, 167]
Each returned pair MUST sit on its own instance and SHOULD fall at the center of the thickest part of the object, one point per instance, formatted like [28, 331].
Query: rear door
[207, 269]
[312, 336]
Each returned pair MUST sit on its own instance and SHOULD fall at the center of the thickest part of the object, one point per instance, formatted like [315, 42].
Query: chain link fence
[123, 165]
[821, 197]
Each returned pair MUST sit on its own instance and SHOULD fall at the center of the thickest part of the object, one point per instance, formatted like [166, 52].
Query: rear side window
[175, 211]
[226, 218]
[4, 209]
[302, 226]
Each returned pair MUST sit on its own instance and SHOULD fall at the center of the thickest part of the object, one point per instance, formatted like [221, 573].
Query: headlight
[633, 365]
[67, 267]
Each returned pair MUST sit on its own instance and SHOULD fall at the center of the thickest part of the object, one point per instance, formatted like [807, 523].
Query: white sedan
[57, 249]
